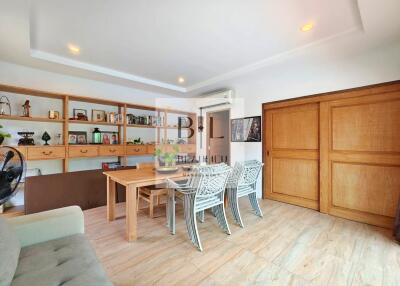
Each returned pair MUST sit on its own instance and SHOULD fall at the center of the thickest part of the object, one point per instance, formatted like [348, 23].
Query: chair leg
[234, 205]
[137, 203]
[221, 218]
[213, 212]
[191, 223]
[255, 205]
[201, 216]
[151, 206]
[196, 236]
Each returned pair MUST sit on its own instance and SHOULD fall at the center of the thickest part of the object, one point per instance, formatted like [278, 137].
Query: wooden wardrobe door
[360, 158]
[292, 155]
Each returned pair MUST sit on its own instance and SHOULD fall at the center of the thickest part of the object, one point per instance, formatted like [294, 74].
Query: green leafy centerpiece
[3, 135]
[166, 157]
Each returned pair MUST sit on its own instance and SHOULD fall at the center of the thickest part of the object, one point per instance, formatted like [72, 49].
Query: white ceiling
[149, 44]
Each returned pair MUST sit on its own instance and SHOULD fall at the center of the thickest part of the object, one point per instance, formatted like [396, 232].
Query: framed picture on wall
[247, 129]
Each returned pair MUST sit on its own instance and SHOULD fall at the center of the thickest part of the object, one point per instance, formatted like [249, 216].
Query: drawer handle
[84, 151]
[136, 150]
[47, 153]
[112, 150]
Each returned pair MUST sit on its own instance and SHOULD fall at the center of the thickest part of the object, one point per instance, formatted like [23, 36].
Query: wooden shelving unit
[37, 119]
[93, 122]
[67, 152]
[142, 126]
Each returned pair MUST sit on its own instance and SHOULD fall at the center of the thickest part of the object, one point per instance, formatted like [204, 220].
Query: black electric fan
[12, 167]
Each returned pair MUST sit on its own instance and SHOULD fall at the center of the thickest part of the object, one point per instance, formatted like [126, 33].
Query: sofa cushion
[9, 253]
[66, 261]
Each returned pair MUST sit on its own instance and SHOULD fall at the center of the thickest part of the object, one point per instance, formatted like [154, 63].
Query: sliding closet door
[291, 155]
[360, 157]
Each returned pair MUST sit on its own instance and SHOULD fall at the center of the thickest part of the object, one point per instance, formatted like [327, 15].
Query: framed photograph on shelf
[80, 114]
[71, 138]
[109, 138]
[77, 137]
[98, 115]
[246, 129]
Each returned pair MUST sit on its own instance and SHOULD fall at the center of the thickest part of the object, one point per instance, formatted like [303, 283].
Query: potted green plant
[3, 135]
[167, 158]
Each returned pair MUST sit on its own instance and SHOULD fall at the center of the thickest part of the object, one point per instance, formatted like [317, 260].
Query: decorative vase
[96, 136]
[46, 137]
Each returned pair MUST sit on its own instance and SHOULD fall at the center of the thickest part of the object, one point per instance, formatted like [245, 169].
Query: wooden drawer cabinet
[83, 151]
[187, 148]
[45, 152]
[111, 150]
[151, 149]
[22, 150]
[136, 149]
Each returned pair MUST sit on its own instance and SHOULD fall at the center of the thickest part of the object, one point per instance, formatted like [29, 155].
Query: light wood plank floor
[289, 246]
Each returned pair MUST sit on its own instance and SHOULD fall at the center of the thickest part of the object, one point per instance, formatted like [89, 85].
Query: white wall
[17, 75]
[302, 78]
[293, 78]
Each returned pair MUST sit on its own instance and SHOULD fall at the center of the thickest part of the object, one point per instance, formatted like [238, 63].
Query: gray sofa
[48, 249]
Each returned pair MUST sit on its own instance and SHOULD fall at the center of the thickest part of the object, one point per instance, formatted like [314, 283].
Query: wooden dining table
[132, 179]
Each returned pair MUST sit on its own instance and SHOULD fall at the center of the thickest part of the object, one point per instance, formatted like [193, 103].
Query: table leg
[131, 213]
[110, 199]
[171, 210]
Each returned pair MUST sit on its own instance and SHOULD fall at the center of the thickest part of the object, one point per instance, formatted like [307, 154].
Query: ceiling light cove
[307, 27]
[73, 49]
[181, 79]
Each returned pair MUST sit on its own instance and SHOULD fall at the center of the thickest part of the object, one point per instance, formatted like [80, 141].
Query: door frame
[208, 113]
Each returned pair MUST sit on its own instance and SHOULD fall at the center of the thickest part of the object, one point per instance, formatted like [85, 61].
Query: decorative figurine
[26, 140]
[26, 106]
[52, 114]
[81, 116]
[5, 106]
[59, 139]
[46, 137]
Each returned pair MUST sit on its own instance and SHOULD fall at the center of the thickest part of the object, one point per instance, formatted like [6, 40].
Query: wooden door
[292, 155]
[360, 157]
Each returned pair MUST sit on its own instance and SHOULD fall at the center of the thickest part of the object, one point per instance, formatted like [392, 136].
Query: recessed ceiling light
[75, 50]
[181, 79]
[307, 27]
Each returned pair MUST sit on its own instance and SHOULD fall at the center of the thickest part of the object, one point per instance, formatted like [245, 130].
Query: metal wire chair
[204, 189]
[242, 182]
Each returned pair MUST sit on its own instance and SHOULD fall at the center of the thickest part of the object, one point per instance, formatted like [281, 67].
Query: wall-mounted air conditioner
[215, 99]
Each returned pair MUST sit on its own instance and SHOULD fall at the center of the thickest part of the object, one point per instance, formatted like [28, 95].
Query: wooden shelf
[142, 126]
[94, 122]
[149, 126]
[37, 119]
[66, 151]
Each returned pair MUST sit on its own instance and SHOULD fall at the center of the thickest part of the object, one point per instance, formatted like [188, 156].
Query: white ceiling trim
[269, 61]
[103, 70]
[226, 76]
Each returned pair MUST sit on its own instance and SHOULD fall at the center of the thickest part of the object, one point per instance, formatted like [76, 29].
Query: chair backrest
[195, 174]
[211, 179]
[145, 165]
[245, 173]
[251, 172]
